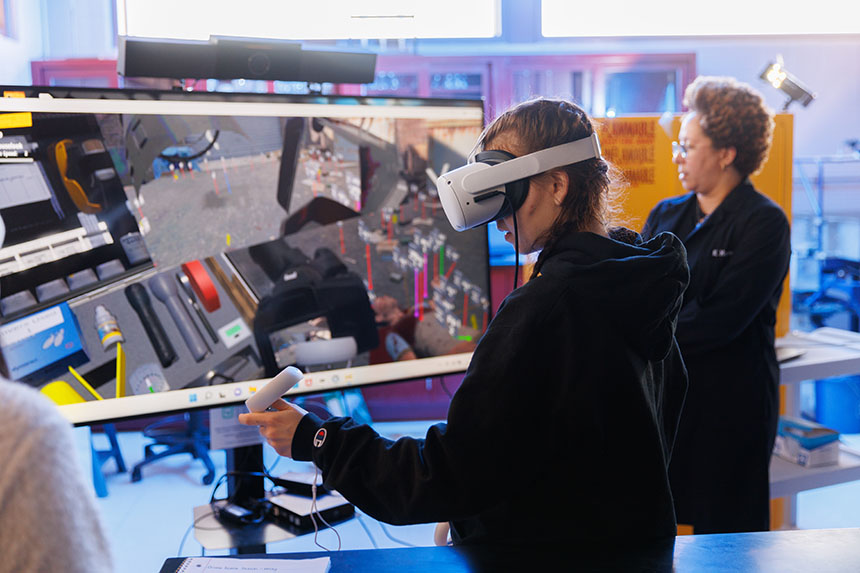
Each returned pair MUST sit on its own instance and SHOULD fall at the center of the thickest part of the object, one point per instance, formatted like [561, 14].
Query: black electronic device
[299, 513]
[515, 191]
[328, 171]
[246, 58]
[346, 67]
[169, 175]
[233, 514]
[151, 58]
[256, 59]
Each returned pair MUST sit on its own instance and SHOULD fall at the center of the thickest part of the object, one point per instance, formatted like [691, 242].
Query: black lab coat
[738, 258]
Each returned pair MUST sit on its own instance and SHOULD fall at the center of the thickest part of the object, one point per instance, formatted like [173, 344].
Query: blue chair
[99, 457]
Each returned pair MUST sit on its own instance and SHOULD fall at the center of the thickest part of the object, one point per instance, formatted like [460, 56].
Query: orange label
[14, 94]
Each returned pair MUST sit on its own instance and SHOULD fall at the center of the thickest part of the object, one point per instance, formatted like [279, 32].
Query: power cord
[218, 376]
[226, 509]
[516, 248]
[314, 509]
[445, 387]
[215, 509]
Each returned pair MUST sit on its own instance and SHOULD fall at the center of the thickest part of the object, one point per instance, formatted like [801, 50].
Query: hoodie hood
[637, 286]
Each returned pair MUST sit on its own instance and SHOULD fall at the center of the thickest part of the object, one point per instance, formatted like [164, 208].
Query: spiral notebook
[212, 564]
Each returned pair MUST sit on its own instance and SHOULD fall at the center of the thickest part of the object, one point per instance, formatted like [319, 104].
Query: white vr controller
[475, 193]
[274, 389]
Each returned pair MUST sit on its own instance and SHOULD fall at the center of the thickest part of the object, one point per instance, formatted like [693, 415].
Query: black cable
[239, 475]
[225, 379]
[445, 387]
[516, 249]
[258, 515]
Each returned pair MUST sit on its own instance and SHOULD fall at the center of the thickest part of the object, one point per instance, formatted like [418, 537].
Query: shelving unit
[787, 478]
[827, 352]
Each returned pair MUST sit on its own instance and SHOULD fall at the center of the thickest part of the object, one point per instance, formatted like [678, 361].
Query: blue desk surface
[821, 551]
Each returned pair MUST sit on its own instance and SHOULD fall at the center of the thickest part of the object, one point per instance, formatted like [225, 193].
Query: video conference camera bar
[237, 58]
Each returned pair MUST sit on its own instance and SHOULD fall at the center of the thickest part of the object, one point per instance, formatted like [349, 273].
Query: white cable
[314, 509]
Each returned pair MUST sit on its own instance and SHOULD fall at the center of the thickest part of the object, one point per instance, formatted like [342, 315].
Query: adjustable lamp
[780, 78]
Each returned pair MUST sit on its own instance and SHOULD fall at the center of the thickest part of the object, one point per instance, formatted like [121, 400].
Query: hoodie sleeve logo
[319, 438]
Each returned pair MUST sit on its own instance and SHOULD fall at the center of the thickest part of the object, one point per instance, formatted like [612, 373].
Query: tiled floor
[150, 520]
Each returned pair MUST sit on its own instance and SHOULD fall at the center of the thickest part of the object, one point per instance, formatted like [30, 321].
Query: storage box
[42, 344]
[806, 443]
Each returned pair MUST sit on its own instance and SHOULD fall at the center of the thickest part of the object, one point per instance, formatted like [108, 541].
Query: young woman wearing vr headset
[562, 429]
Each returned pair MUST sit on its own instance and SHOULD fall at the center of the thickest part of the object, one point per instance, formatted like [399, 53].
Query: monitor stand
[245, 490]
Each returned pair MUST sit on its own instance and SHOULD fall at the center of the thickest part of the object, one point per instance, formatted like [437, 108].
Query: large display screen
[172, 250]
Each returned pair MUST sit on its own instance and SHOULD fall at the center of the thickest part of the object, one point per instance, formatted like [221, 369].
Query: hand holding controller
[274, 389]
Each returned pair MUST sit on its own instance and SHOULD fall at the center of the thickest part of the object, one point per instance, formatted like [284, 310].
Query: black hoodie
[563, 426]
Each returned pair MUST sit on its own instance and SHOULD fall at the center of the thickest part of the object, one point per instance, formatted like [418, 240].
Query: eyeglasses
[679, 149]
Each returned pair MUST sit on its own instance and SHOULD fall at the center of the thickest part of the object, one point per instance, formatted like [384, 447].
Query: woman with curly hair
[738, 247]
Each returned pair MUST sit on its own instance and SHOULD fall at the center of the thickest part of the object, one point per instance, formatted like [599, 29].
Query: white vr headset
[495, 183]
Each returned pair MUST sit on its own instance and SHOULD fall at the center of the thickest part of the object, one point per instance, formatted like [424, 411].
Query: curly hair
[733, 114]
[542, 123]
